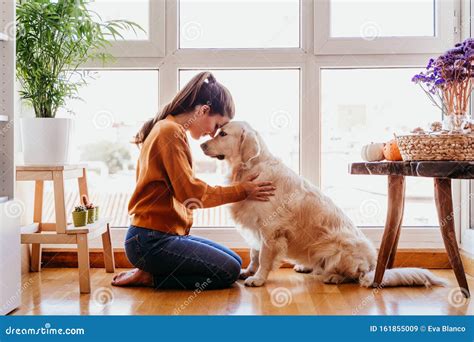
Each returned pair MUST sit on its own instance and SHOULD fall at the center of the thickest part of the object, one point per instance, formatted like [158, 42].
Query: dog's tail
[403, 277]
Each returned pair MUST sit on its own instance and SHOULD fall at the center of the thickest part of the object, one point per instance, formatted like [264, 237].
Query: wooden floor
[56, 292]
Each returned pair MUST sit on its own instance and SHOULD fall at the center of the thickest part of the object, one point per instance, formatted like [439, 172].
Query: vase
[455, 122]
[46, 141]
[79, 218]
[90, 215]
[96, 213]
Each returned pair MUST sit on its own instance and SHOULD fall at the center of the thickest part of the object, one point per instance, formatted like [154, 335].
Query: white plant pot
[46, 141]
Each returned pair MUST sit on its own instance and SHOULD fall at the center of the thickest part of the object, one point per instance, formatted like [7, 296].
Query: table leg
[35, 262]
[83, 263]
[82, 183]
[393, 252]
[59, 202]
[444, 206]
[388, 247]
[109, 262]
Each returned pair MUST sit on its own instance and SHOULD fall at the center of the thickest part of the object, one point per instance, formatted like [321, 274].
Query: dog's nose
[204, 146]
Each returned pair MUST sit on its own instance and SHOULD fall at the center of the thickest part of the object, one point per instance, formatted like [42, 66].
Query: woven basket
[436, 146]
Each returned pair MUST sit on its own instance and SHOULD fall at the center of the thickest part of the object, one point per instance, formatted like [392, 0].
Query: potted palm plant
[53, 39]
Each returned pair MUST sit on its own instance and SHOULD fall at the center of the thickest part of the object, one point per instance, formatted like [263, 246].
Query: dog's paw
[244, 274]
[302, 269]
[254, 281]
[333, 279]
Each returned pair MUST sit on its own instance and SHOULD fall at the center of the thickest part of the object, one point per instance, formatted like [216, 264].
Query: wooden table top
[435, 169]
[50, 167]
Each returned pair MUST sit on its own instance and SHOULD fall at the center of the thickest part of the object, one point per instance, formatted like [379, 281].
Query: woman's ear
[249, 146]
[205, 109]
[202, 110]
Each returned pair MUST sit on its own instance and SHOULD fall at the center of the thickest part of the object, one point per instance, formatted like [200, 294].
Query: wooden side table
[442, 172]
[62, 232]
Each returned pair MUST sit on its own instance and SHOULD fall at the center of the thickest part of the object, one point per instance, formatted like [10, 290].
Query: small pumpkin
[372, 152]
[391, 151]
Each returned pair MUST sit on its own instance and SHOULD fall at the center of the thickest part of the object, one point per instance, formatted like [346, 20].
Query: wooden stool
[442, 172]
[60, 232]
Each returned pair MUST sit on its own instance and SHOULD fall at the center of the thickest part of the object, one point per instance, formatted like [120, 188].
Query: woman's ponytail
[201, 89]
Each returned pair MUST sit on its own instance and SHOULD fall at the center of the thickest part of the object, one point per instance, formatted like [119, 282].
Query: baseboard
[426, 258]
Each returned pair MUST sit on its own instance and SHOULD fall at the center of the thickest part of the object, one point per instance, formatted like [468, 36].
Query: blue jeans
[181, 262]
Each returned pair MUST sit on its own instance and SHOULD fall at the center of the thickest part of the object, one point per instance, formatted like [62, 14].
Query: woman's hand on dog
[258, 191]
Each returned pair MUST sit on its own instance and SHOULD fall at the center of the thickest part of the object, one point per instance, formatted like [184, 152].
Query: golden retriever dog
[299, 224]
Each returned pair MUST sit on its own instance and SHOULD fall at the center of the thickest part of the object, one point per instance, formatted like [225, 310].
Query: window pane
[269, 101]
[360, 106]
[113, 107]
[370, 19]
[136, 11]
[239, 23]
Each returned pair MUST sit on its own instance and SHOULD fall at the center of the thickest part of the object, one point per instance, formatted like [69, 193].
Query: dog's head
[236, 141]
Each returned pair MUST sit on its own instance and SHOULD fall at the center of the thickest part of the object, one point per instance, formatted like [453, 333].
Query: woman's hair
[202, 89]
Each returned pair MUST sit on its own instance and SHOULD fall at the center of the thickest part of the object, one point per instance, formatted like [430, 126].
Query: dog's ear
[249, 146]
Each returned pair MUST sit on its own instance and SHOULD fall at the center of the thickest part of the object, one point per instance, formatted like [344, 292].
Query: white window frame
[327, 45]
[467, 231]
[310, 66]
[154, 46]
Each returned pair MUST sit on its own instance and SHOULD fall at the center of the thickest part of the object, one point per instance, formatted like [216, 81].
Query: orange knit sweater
[166, 190]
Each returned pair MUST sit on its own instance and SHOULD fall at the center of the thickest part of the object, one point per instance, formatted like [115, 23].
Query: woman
[158, 243]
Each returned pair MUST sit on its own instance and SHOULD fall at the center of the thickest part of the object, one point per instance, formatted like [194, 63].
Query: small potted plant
[79, 216]
[91, 209]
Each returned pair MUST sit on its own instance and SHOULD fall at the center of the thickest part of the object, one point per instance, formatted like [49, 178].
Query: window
[136, 11]
[374, 26]
[112, 109]
[373, 107]
[269, 101]
[149, 14]
[283, 61]
[239, 24]
[382, 18]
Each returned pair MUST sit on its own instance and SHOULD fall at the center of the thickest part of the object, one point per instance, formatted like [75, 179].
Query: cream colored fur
[299, 224]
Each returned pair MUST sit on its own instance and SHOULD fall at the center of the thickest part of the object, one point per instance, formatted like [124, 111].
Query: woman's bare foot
[135, 277]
